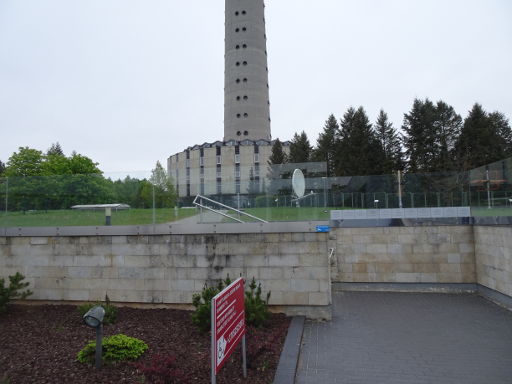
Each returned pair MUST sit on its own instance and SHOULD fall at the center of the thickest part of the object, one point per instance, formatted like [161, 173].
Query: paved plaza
[408, 338]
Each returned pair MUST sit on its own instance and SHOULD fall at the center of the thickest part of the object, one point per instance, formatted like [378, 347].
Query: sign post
[228, 326]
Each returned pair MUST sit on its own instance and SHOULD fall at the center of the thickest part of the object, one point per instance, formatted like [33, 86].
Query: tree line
[433, 138]
[33, 180]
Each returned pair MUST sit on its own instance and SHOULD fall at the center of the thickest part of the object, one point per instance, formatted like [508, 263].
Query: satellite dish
[298, 183]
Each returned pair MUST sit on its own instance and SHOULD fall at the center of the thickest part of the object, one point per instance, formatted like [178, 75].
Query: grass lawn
[288, 213]
[494, 211]
[91, 218]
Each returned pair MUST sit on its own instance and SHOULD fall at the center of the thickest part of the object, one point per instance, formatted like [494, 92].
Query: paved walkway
[408, 338]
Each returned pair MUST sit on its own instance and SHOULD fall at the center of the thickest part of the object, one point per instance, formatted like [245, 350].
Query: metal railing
[198, 201]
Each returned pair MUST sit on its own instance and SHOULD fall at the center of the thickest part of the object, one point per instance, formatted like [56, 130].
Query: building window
[238, 133]
[188, 173]
[246, 115]
[219, 171]
[201, 186]
[219, 186]
[245, 79]
[237, 171]
[237, 13]
[244, 46]
[244, 29]
[237, 64]
[245, 62]
[201, 161]
[238, 115]
[256, 170]
[243, 12]
[219, 159]
[188, 189]
[187, 163]
[237, 30]
[246, 97]
[256, 158]
[238, 98]
[237, 159]
[237, 47]
[238, 81]
[246, 133]
[237, 186]
[201, 171]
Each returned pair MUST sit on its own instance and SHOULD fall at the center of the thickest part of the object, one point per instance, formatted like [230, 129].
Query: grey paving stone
[408, 338]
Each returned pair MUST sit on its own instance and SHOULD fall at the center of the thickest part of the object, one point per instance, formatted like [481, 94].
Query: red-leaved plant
[162, 370]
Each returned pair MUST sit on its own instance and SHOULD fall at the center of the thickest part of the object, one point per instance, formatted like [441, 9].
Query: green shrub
[203, 304]
[12, 291]
[110, 310]
[116, 348]
[256, 309]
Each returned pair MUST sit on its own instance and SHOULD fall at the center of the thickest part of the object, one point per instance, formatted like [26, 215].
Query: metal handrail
[199, 204]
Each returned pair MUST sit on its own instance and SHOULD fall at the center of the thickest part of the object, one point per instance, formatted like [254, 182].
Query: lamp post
[94, 319]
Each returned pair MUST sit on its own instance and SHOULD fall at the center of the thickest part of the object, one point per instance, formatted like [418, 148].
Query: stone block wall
[433, 254]
[169, 269]
[493, 247]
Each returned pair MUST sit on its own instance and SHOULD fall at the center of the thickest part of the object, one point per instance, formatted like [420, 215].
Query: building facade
[238, 163]
[222, 168]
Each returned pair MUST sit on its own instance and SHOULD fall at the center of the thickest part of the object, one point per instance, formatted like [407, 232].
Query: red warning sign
[228, 322]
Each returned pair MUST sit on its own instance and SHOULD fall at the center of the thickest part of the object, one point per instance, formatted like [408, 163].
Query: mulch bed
[39, 344]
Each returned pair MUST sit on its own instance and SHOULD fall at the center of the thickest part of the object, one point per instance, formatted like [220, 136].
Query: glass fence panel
[244, 193]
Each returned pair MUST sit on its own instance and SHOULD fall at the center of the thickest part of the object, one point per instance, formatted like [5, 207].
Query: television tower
[246, 90]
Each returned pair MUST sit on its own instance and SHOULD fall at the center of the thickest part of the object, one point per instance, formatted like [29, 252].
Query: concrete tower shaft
[246, 94]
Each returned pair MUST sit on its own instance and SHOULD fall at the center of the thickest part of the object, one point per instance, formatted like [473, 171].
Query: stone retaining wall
[493, 247]
[429, 254]
[171, 268]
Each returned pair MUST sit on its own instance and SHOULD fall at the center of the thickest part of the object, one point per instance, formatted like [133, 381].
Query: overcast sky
[130, 82]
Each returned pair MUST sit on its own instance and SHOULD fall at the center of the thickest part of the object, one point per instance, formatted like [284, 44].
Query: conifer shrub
[13, 290]
[203, 304]
[110, 310]
[256, 308]
[116, 348]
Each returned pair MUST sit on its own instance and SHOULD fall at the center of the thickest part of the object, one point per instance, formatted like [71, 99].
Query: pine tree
[390, 142]
[419, 139]
[359, 151]
[275, 161]
[278, 156]
[326, 144]
[55, 150]
[447, 126]
[501, 126]
[300, 149]
[2, 167]
[483, 139]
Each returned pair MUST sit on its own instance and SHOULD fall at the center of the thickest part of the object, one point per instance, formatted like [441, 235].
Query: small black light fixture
[94, 319]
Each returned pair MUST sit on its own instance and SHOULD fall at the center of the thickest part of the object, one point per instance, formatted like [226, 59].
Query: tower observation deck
[246, 92]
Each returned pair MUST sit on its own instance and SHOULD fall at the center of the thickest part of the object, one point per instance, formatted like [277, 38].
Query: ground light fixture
[94, 319]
